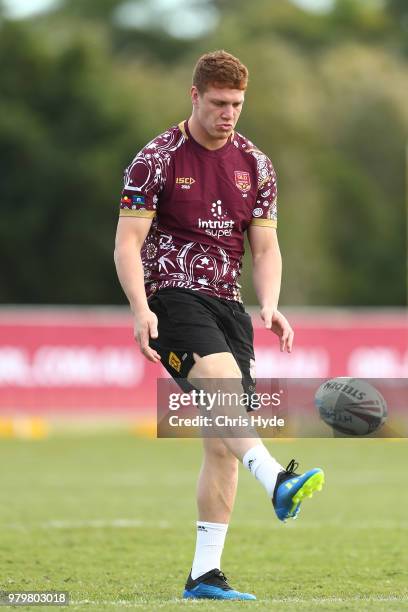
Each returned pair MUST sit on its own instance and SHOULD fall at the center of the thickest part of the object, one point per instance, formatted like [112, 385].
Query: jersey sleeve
[144, 179]
[265, 209]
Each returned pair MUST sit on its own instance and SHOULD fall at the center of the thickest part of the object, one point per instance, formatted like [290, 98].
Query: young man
[189, 197]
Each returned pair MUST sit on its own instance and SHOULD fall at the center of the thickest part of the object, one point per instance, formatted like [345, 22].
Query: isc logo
[185, 180]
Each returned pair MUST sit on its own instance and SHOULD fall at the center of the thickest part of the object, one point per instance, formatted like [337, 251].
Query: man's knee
[215, 450]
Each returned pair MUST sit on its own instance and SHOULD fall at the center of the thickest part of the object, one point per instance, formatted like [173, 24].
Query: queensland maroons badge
[242, 180]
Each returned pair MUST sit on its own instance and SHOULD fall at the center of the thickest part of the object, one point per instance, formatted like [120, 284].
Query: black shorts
[190, 322]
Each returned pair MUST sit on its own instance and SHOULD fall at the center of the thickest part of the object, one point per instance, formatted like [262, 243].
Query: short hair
[220, 69]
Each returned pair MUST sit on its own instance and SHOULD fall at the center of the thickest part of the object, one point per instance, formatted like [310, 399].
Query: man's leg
[285, 488]
[216, 489]
[218, 479]
[217, 482]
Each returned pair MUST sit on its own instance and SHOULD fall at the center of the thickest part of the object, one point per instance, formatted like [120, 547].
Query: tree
[80, 95]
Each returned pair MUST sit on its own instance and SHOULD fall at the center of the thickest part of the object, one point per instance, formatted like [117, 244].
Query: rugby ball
[351, 406]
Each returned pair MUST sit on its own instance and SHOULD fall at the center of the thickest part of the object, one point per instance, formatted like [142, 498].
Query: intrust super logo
[219, 225]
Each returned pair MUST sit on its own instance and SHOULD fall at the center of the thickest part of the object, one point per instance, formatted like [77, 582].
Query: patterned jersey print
[201, 203]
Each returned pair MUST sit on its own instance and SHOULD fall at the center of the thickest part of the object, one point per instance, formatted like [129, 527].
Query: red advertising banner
[84, 361]
[327, 344]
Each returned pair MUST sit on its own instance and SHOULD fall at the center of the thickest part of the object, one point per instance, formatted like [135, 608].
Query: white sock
[263, 466]
[209, 545]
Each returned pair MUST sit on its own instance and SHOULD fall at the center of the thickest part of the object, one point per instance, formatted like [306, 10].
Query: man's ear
[194, 95]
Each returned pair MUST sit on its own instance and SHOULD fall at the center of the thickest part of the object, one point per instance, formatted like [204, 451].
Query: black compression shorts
[191, 322]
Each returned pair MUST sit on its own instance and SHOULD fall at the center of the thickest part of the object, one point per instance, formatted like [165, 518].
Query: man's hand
[145, 328]
[276, 322]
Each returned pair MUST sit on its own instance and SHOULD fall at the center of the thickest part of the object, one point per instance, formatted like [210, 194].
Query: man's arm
[130, 235]
[267, 272]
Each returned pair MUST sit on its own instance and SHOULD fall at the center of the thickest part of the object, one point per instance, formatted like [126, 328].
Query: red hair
[220, 69]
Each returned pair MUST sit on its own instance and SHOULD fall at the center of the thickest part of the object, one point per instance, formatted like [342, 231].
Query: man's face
[217, 110]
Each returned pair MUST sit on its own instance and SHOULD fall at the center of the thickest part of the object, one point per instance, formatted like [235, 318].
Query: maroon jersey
[201, 203]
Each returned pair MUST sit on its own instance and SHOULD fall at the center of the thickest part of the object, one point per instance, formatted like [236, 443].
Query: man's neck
[201, 136]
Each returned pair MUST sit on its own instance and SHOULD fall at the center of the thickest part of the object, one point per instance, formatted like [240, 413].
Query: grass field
[110, 518]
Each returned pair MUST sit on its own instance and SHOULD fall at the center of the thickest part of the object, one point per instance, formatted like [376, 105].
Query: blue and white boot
[212, 585]
[291, 489]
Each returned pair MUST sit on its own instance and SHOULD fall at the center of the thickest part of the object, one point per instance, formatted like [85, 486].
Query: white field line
[119, 523]
[289, 600]
[125, 523]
